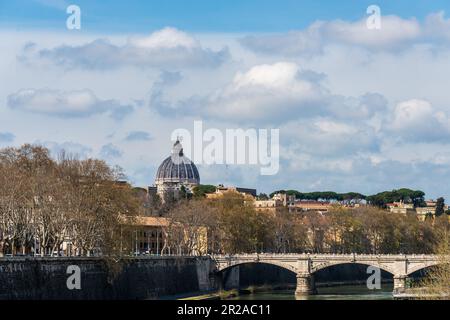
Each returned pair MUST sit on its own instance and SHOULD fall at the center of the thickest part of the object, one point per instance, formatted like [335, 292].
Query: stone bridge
[305, 265]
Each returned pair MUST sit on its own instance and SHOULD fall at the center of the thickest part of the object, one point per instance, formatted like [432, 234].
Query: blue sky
[203, 15]
[358, 109]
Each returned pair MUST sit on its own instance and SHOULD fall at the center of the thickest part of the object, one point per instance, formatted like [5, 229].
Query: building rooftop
[177, 168]
[149, 221]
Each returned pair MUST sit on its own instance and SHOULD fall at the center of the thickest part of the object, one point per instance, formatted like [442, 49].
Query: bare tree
[190, 221]
[49, 202]
[436, 284]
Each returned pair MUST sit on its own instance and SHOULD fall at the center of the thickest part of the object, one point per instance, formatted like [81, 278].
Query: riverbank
[349, 292]
[283, 288]
[325, 293]
[419, 294]
[348, 283]
[232, 293]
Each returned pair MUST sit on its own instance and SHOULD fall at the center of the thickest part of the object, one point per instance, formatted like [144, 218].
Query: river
[353, 292]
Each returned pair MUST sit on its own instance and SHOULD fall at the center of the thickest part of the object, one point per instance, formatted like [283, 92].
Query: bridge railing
[328, 255]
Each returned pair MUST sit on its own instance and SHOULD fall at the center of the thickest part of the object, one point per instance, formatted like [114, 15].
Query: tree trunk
[2, 246]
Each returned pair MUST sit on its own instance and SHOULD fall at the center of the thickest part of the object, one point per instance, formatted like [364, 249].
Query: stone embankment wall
[134, 278]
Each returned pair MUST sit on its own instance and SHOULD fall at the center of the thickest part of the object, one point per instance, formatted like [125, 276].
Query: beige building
[423, 213]
[408, 208]
[287, 200]
[145, 235]
[315, 206]
[401, 207]
[278, 202]
[158, 235]
[248, 194]
[429, 210]
[271, 205]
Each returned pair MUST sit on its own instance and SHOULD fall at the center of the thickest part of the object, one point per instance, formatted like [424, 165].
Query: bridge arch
[286, 266]
[244, 274]
[420, 267]
[325, 265]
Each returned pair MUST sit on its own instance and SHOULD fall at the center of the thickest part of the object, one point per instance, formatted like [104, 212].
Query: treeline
[321, 195]
[417, 197]
[46, 202]
[202, 189]
[236, 227]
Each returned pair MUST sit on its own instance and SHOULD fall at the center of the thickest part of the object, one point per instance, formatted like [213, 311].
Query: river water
[353, 292]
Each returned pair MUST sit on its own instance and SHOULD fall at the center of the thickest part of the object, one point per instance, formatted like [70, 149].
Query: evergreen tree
[440, 207]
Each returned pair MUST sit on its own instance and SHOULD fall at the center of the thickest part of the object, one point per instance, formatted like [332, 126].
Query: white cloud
[330, 138]
[166, 48]
[167, 38]
[272, 93]
[334, 128]
[263, 93]
[437, 27]
[395, 34]
[266, 92]
[417, 120]
[305, 42]
[278, 75]
[411, 113]
[78, 103]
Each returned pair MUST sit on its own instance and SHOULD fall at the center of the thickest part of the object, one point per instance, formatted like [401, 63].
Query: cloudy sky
[358, 109]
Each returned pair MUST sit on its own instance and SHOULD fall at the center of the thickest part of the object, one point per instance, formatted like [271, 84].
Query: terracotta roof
[150, 221]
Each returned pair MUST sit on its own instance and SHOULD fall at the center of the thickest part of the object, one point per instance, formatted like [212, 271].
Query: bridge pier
[305, 284]
[215, 280]
[400, 284]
